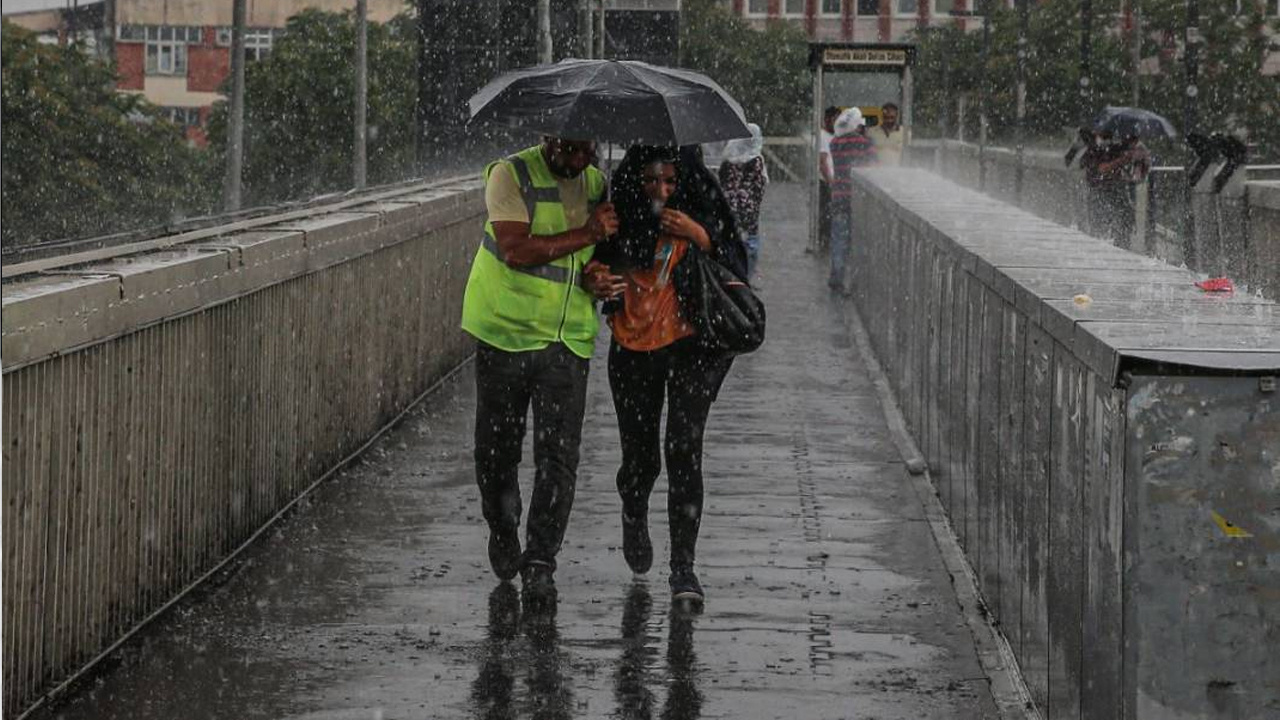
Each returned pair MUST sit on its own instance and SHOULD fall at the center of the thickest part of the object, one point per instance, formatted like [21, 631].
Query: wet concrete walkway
[826, 593]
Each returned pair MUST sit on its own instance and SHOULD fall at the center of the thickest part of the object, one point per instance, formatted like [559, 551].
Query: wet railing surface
[1104, 436]
[160, 408]
[1237, 232]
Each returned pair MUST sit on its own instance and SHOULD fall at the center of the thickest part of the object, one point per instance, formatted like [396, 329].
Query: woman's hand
[676, 223]
[600, 281]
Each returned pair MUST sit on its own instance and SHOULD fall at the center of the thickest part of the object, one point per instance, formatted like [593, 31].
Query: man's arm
[519, 248]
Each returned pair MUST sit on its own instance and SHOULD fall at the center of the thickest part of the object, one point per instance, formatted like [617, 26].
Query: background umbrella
[617, 101]
[1133, 122]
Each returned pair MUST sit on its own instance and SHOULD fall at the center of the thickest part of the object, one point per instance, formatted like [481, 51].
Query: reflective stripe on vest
[532, 195]
[554, 273]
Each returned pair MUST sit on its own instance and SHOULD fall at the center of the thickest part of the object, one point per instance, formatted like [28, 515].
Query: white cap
[849, 121]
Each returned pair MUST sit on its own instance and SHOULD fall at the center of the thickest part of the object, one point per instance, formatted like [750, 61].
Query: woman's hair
[697, 194]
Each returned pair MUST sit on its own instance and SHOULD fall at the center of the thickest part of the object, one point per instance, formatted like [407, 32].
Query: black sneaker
[685, 586]
[504, 553]
[539, 581]
[636, 546]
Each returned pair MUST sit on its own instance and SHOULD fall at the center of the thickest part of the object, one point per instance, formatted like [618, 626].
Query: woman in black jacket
[669, 205]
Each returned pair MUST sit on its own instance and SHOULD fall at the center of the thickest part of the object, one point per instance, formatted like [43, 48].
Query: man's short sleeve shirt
[504, 202]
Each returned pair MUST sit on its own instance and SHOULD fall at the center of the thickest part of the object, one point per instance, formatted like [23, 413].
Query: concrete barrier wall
[1104, 438]
[158, 410]
[1248, 252]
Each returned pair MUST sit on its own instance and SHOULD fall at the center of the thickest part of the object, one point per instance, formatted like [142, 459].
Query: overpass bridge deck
[827, 594]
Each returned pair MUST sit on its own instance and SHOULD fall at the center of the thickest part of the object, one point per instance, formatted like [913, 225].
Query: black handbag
[726, 315]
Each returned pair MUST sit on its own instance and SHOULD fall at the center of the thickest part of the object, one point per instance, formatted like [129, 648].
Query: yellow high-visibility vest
[528, 308]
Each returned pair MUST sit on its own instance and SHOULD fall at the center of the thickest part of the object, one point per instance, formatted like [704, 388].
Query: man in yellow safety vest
[529, 304]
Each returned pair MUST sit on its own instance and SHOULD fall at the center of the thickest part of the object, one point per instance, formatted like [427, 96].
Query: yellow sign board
[863, 56]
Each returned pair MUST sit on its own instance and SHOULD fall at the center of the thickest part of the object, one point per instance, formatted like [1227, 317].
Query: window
[831, 7]
[907, 7]
[183, 117]
[868, 7]
[757, 7]
[794, 7]
[944, 7]
[257, 43]
[166, 46]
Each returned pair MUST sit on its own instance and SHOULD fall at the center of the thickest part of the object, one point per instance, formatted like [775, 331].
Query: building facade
[177, 53]
[881, 21]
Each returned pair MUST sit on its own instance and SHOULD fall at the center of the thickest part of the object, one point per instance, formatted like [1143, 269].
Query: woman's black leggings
[689, 379]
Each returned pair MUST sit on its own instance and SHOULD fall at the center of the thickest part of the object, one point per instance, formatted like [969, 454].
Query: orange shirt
[650, 314]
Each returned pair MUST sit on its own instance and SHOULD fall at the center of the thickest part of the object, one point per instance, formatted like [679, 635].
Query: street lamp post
[235, 123]
[362, 91]
[1024, 20]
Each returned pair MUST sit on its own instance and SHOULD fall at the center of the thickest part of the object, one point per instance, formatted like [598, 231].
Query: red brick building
[178, 52]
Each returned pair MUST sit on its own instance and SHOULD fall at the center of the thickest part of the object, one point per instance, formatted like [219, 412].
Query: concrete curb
[1008, 689]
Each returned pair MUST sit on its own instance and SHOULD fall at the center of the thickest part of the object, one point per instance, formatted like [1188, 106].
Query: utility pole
[108, 49]
[362, 91]
[1024, 20]
[1191, 57]
[984, 92]
[1190, 121]
[1086, 58]
[1136, 9]
[426, 74]
[600, 30]
[544, 32]
[586, 24]
[235, 128]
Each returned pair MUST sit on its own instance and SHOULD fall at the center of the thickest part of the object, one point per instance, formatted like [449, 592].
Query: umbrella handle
[608, 172]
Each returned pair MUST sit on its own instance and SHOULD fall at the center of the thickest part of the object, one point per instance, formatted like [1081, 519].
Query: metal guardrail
[160, 409]
[1102, 435]
[42, 257]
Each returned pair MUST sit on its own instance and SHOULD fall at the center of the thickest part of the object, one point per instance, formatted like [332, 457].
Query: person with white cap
[742, 177]
[849, 149]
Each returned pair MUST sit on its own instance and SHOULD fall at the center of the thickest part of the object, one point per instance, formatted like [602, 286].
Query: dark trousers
[688, 380]
[554, 380]
[1111, 212]
[824, 215]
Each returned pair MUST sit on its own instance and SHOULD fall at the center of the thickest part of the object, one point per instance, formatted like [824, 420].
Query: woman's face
[659, 180]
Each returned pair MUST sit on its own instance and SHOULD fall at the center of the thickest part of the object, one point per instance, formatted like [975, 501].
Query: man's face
[890, 118]
[568, 158]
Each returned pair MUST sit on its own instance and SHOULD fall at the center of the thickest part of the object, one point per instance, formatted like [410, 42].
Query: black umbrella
[620, 101]
[1124, 122]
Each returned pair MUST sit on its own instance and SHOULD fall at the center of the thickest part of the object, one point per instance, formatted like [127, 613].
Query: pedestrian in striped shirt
[849, 149]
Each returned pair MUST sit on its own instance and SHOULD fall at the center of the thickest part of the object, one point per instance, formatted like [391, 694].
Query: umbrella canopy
[619, 101]
[1133, 122]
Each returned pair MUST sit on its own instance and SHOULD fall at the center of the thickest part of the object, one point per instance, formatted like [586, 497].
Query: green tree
[1053, 69]
[80, 159]
[1235, 96]
[767, 71]
[299, 116]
